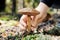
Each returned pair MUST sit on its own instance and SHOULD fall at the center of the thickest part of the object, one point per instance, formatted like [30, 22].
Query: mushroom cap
[28, 11]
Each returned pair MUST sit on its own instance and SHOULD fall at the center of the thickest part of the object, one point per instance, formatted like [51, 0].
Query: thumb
[34, 22]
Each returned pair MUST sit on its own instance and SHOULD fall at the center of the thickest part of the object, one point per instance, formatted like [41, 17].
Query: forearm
[42, 8]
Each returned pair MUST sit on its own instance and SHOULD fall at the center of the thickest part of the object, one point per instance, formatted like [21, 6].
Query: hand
[34, 19]
[23, 22]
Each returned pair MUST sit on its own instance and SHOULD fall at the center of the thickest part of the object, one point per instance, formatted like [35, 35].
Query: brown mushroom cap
[28, 11]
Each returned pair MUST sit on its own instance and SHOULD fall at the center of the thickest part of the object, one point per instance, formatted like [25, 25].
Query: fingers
[23, 23]
[32, 28]
[23, 20]
[32, 18]
[22, 28]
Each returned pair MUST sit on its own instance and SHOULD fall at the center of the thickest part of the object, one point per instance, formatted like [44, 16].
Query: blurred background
[10, 7]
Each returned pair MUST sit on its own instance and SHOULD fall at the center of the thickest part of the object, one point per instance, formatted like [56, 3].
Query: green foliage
[4, 18]
[38, 37]
[8, 8]
[8, 17]
[36, 2]
[31, 3]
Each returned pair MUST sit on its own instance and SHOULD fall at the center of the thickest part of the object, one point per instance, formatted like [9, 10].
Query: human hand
[35, 20]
